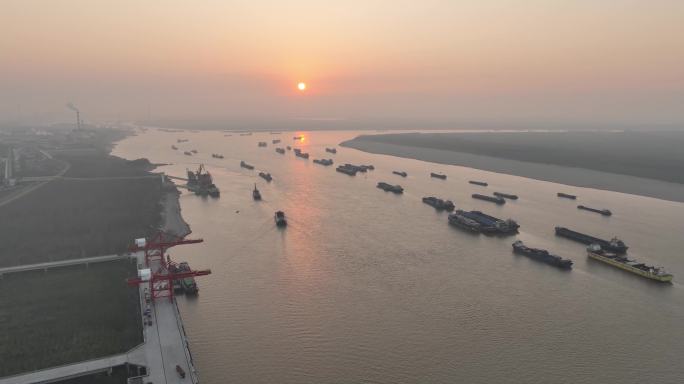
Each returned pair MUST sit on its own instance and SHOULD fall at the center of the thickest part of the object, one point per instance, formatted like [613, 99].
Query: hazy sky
[459, 61]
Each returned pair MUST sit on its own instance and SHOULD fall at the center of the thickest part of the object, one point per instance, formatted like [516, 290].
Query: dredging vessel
[596, 252]
[541, 255]
[613, 245]
[439, 204]
[390, 188]
[604, 212]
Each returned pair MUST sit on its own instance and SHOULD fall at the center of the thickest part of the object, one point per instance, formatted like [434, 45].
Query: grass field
[67, 315]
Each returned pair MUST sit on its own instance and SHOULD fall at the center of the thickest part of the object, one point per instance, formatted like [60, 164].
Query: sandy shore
[172, 219]
[535, 170]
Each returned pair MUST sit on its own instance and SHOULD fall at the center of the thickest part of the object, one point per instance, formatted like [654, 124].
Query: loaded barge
[493, 199]
[541, 255]
[439, 204]
[594, 251]
[614, 245]
[486, 224]
[481, 183]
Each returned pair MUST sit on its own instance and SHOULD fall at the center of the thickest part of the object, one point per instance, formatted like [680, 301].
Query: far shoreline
[578, 177]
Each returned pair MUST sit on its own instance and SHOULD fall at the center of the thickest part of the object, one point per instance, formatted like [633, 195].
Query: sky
[428, 63]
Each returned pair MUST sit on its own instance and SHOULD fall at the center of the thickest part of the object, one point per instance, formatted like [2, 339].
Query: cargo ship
[493, 199]
[174, 147]
[297, 138]
[331, 150]
[262, 144]
[596, 252]
[186, 153]
[182, 140]
[201, 183]
[276, 141]
[439, 204]
[604, 212]
[346, 169]
[298, 152]
[289, 148]
[280, 150]
[613, 245]
[505, 195]
[566, 196]
[245, 165]
[458, 220]
[246, 134]
[194, 151]
[217, 156]
[325, 162]
[541, 255]
[400, 173]
[438, 175]
[188, 283]
[279, 218]
[390, 188]
[481, 183]
[490, 224]
[266, 176]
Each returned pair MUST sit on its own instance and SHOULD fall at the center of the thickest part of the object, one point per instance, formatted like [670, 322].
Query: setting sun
[301, 86]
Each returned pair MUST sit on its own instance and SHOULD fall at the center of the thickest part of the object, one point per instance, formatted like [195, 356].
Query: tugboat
[604, 212]
[614, 245]
[438, 175]
[266, 176]
[280, 219]
[506, 195]
[325, 162]
[400, 173]
[280, 150]
[541, 255]
[390, 188]
[567, 196]
[256, 195]
[439, 204]
[331, 150]
[245, 165]
[493, 199]
[482, 183]
[262, 144]
[594, 251]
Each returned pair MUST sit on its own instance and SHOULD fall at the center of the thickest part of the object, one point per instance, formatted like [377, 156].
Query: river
[364, 286]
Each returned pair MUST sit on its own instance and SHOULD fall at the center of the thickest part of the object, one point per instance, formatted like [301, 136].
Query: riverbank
[172, 218]
[641, 164]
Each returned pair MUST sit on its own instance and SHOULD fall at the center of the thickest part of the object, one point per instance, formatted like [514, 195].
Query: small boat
[604, 212]
[438, 175]
[482, 183]
[400, 173]
[256, 195]
[266, 176]
[505, 195]
[279, 218]
[245, 165]
[180, 371]
[331, 150]
[567, 196]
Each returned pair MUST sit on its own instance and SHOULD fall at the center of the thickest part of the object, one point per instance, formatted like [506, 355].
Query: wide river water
[364, 286]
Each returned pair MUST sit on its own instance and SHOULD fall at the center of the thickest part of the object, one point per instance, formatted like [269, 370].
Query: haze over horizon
[495, 63]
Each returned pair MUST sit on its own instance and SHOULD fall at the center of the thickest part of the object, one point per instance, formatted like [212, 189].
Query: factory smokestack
[78, 114]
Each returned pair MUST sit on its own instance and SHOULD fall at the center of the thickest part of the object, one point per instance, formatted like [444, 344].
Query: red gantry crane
[160, 271]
